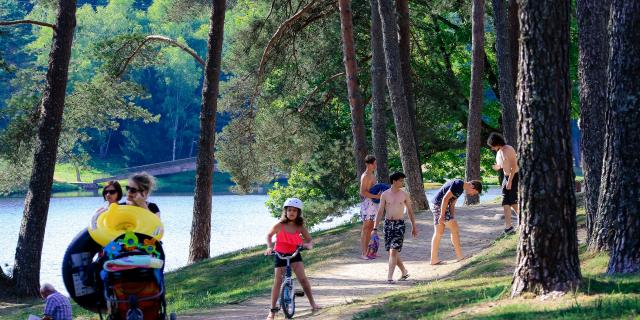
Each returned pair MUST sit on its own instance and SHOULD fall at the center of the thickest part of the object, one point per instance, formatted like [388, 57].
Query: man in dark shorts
[443, 207]
[506, 160]
[394, 201]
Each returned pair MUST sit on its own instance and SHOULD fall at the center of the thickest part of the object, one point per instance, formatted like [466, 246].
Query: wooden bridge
[155, 169]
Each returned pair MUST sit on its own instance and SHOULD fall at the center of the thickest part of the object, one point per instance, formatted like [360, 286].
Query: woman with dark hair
[112, 192]
[138, 188]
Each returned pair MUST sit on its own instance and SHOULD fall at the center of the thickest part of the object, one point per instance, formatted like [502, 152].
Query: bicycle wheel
[287, 300]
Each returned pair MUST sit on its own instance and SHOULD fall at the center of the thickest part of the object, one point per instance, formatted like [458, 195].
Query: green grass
[67, 173]
[234, 277]
[481, 290]
[226, 279]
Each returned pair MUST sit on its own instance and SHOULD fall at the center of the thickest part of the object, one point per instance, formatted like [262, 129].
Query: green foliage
[326, 185]
[450, 164]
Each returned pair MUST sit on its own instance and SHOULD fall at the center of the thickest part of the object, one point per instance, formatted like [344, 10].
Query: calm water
[237, 222]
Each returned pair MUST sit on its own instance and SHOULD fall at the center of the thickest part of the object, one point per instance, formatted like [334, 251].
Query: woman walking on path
[290, 232]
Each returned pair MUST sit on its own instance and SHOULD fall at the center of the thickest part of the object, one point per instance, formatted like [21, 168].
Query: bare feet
[460, 259]
[271, 316]
[436, 263]
[315, 307]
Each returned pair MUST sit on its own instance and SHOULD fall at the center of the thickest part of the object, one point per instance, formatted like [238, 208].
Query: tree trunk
[104, 148]
[593, 42]
[378, 89]
[77, 169]
[175, 138]
[355, 99]
[201, 226]
[514, 35]
[401, 117]
[506, 80]
[404, 44]
[548, 246]
[26, 271]
[472, 163]
[620, 196]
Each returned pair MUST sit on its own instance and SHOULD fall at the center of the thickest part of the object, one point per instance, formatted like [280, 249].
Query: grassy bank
[481, 290]
[225, 279]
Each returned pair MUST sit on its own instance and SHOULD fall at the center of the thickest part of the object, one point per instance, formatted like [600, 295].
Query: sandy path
[346, 278]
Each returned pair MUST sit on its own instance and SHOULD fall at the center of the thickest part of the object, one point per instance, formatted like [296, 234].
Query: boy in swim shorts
[394, 201]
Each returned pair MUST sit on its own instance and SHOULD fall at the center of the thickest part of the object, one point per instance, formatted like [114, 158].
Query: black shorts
[510, 197]
[394, 234]
[283, 263]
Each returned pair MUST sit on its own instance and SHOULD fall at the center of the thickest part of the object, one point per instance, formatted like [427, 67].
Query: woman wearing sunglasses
[112, 192]
[138, 188]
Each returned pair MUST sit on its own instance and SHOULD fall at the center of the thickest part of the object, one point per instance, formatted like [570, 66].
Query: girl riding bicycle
[290, 232]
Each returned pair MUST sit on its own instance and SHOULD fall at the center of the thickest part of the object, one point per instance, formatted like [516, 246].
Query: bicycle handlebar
[295, 253]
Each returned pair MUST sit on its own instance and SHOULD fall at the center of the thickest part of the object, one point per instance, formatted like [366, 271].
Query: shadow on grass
[434, 301]
[611, 285]
[614, 307]
[237, 276]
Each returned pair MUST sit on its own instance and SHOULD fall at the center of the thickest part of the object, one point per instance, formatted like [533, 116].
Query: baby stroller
[133, 279]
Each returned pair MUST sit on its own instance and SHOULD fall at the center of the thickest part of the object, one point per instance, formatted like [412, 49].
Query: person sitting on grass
[290, 232]
[56, 306]
[394, 201]
[443, 207]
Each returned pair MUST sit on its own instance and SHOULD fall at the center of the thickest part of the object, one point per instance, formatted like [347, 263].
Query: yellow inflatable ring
[120, 219]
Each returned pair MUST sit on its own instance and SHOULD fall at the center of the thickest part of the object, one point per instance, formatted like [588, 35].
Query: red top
[287, 242]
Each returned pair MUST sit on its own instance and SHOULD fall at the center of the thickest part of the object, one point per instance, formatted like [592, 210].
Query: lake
[237, 222]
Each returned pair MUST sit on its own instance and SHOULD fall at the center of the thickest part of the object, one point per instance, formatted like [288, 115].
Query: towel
[378, 188]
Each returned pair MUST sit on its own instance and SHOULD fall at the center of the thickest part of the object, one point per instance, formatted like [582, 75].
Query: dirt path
[346, 278]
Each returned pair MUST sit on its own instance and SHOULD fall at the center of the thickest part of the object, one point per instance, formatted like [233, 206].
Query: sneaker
[509, 230]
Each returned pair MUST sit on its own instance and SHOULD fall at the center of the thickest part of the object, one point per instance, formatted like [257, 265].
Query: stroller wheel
[134, 313]
[173, 316]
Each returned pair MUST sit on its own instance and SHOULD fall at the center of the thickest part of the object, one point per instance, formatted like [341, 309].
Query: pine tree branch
[17, 22]
[159, 39]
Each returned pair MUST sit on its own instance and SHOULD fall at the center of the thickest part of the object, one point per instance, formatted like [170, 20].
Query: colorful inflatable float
[79, 267]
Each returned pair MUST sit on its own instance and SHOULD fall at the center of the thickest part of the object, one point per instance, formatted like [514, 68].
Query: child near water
[290, 232]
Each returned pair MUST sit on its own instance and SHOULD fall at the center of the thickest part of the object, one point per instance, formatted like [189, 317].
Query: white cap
[293, 202]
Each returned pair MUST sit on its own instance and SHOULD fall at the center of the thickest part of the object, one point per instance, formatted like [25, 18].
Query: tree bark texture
[404, 44]
[378, 97]
[355, 98]
[472, 162]
[514, 44]
[505, 72]
[26, 271]
[593, 44]
[199, 247]
[620, 185]
[401, 117]
[547, 258]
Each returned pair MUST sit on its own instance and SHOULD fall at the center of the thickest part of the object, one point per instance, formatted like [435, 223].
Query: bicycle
[287, 296]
